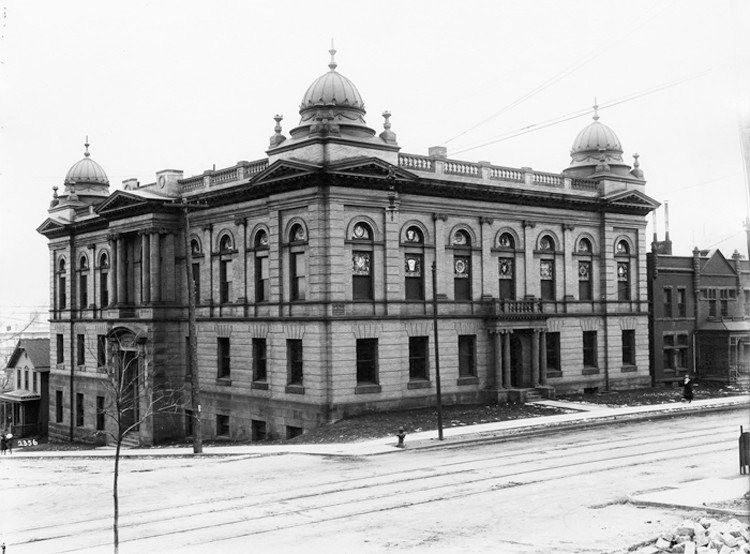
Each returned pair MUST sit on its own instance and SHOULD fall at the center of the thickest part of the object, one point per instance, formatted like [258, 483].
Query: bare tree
[135, 391]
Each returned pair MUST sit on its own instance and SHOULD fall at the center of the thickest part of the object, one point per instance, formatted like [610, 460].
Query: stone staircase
[131, 440]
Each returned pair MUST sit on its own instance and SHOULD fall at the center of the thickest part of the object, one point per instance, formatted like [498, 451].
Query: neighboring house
[700, 317]
[314, 282]
[24, 404]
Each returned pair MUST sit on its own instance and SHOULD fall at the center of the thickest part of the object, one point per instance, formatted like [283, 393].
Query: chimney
[439, 152]
[666, 220]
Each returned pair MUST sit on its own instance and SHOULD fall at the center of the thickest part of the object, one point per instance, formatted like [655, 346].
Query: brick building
[701, 315]
[314, 281]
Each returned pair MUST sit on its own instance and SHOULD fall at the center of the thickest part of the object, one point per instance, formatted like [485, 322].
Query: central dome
[594, 137]
[596, 151]
[332, 89]
[86, 171]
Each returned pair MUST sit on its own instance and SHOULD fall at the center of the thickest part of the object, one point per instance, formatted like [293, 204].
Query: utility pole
[192, 333]
[437, 352]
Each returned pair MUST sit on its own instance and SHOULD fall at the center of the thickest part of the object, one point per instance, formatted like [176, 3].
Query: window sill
[223, 382]
[419, 384]
[295, 389]
[467, 380]
[629, 369]
[553, 373]
[590, 371]
[259, 385]
[369, 388]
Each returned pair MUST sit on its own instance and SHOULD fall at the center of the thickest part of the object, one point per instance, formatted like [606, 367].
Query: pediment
[50, 226]
[632, 199]
[717, 264]
[373, 168]
[284, 169]
[122, 200]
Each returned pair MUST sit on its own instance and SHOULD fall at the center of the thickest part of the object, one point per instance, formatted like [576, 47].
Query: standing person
[3, 444]
[687, 389]
[9, 438]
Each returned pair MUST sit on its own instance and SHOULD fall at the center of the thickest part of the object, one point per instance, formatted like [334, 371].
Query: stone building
[700, 321]
[313, 271]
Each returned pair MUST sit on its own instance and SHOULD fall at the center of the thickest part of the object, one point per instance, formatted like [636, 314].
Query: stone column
[146, 267]
[506, 359]
[393, 261]
[535, 358]
[167, 271]
[543, 352]
[122, 296]
[489, 270]
[497, 361]
[443, 266]
[570, 267]
[240, 272]
[155, 266]
[528, 263]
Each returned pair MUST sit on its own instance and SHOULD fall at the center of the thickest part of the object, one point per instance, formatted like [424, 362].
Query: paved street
[564, 492]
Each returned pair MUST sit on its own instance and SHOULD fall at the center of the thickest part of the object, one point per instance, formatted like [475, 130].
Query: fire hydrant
[401, 435]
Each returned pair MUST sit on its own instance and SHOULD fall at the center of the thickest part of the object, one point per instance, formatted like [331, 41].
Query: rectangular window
[261, 279]
[104, 289]
[297, 275]
[294, 361]
[259, 360]
[79, 409]
[467, 351]
[414, 277]
[462, 277]
[682, 351]
[101, 350]
[553, 351]
[258, 429]
[100, 413]
[60, 348]
[507, 279]
[222, 425]
[628, 347]
[362, 264]
[724, 304]
[223, 356]
[58, 406]
[35, 378]
[710, 294]
[80, 349]
[747, 302]
[26, 379]
[19, 379]
[367, 361]
[418, 356]
[589, 349]
[196, 268]
[681, 303]
[83, 291]
[668, 352]
[584, 281]
[225, 280]
[668, 302]
[61, 284]
[547, 279]
[623, 281]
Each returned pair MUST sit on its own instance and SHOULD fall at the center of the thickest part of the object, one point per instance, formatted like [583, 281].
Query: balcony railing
[516, 308]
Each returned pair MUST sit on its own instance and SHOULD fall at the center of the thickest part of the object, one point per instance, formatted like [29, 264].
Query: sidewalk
[585, 415]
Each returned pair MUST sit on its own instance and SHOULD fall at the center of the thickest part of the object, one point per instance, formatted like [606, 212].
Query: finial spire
[596, 110]
[332, 51]
[86, 144]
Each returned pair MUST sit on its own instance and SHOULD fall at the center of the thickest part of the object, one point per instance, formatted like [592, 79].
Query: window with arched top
[62, 296]
[506, 267]
[547, 268]
[83, 263]
[103, 280]
[261, 245]
[461, 265]
[584, 246]
[413, 263]
[225, 243]
[195, 247]
[584, 250]
[622, 255]
[83, 282]
[362, 262]
[546, 243]
[506, 241]
[297, 262]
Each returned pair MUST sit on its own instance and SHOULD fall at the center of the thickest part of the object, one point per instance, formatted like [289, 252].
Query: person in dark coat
[3, 444]
[687, 389]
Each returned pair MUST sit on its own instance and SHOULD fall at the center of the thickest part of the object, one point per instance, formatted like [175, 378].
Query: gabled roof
[129, 201]
[284, 169]
[50, 226]
[717, 264]
[371, 167]
[37, 350]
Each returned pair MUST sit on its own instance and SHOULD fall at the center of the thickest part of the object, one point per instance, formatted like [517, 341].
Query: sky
[190, 85]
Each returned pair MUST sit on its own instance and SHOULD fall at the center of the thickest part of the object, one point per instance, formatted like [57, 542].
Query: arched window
[260, 243]
[103, 280]
[584, 246]
[585, 269]
[547, 268]
[622, 255]
[461, 265]
[225, 268]
[83, 283]
[225, 243]
[507, 267]
[362, 262]
[414, 263]
[195, 247]
[297, 262]
[62, 297]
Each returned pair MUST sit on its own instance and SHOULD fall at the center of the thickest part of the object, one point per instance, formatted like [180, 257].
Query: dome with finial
[596, 149]
[86, 171]
[332, 106]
